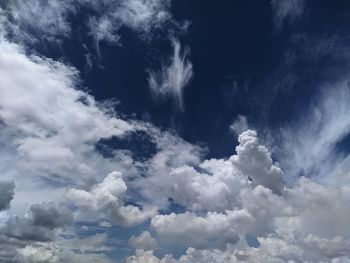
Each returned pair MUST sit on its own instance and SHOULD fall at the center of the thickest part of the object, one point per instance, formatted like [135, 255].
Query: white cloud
[213, 230]
[143, 17]
[254, 160]
[49, 126]
[309, 147]
[212, 185]
[144, 241]
[306, 221]
[239, 125]
[173, 77]
[32, 254]
[7, 194]
[142, 256]
[89, 250]
[51, 25]
[49, 130]
[105, 201]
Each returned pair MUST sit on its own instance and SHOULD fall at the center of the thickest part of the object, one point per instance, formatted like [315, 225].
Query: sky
[174, 131]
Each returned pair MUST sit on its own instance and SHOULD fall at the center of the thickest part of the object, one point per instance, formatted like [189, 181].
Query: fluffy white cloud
[142, 256]
[87, 249]
[254, 160]
[106, 201]
[49, 128]
[213, 230]
[291, 223]
[215, 184]
[173, 77]
[144, 241]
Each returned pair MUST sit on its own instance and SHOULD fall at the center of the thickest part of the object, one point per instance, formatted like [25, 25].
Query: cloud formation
[7, 194]
[146, 18]
[287, 11]
[106, 201]
[242, 208]
[173, 77]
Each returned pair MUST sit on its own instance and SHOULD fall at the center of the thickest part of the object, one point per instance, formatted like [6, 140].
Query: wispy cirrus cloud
[173, 77]
[287, 11]
[104, 19]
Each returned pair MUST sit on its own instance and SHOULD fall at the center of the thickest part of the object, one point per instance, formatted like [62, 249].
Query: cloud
[105, 201]
[293, 227]
[239, 125]
[287, 11]
[142, 256]
[49, 216]
[144, 241]
[209, 209]
[309, 146]
[212, 185]
[33, 254]
[289, 222]
[254, 160]
[39, 224]
[7, 194]
[49, 127]
[104, 20]
[144, 16]
[89, 249]
[173, 77]
[27, 26]
[213, 230]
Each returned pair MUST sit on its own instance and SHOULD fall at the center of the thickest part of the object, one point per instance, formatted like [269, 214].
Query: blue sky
[174, 131]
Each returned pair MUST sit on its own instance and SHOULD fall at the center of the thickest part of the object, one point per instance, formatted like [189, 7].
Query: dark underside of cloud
[165, 131]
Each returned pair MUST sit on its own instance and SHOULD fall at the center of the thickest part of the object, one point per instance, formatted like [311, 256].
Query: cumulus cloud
[212, 185]
[291, 223]
[49, 127]
[32, 254]
[39, 224]
[89, 249]
[173, 77]
[292, 227]
[106, 201]
[144, 241]
[287, 11]
[50, 216]
[254, 160]
[214, 230]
